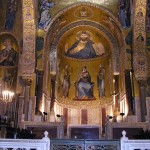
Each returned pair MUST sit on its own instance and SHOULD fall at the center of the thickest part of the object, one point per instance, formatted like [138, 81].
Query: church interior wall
[56, 48]
[73, 65]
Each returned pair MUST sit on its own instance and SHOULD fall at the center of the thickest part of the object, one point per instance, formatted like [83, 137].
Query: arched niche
[9, 55]
[103, 25]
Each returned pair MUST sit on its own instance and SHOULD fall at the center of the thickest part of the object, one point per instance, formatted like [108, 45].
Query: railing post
[123, 138]
[47, 140]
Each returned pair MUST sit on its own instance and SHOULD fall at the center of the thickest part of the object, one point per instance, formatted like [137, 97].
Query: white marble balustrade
[26, 144]
[127, 144]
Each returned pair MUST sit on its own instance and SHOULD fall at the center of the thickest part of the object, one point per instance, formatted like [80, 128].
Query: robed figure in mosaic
[66, 83]
[101, 81]
[8, 56]
[10, 14]
[84, 47]
[84, 86]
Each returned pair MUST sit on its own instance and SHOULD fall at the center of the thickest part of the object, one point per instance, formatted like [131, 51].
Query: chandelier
[7, 96]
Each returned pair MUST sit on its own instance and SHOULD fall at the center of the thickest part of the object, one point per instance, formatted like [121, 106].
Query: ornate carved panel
[28, 54]
[139, 41]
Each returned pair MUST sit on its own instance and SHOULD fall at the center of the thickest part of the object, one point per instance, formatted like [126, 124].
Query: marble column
[20, 109]
[116, 86]
[148, 108]
[27, 61]
[53, 85]
[128, 85]
[39, 87]
[26, 102]
[26, 83]
[0, 87]
[142, 100]
[31, 112]
[140, 63]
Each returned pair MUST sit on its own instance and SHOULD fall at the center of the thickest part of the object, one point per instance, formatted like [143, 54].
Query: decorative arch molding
[54, 29]
[56, 20]
[105, 32]
[67, 8]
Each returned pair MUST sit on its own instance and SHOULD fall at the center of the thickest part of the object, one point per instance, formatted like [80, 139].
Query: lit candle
[7, 96]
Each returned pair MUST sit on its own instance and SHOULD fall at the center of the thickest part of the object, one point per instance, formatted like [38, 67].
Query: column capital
[40, 72]
[25, 81]
[142, 83]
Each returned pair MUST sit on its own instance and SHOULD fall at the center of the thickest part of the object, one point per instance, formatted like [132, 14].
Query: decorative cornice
[91, 104]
